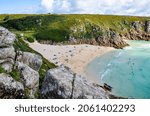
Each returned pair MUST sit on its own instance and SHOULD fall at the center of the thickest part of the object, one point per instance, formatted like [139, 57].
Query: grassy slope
[15, 16]
[21, 45]
[61, 27]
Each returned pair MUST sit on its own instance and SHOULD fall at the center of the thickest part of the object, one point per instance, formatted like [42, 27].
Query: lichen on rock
[26, 64]
[63, 83]
[9, 88]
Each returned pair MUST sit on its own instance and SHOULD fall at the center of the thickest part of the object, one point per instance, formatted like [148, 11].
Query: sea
[126, 70]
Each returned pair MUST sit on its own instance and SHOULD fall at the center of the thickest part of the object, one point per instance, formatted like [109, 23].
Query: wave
[118, 55]
[144, 46]
[128, 48]
[109, 64]
[104, 74]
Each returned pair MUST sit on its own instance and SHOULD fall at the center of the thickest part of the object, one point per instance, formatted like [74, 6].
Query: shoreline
[76, 57]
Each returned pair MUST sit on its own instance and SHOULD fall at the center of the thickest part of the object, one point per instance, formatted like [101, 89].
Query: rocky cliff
[136, 30]
[105, 30]
[20, 77]
[109, 38]
[62, 83]
[139, 31]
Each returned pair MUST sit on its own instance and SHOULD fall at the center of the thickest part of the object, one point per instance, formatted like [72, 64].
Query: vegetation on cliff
[60, 28]
[46, 65]
[22, 70]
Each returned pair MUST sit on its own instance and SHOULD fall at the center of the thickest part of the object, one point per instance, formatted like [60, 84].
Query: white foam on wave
[109, 64]
[119, 54]
[104, 73]
[145, 46]
[128, 48]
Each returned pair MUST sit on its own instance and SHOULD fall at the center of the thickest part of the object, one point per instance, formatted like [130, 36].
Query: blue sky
[116, 7]
[19, 6]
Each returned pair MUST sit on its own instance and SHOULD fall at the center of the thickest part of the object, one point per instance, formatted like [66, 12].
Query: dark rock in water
[107, 87]
[63, 83]
[9, 88]
[115, 97]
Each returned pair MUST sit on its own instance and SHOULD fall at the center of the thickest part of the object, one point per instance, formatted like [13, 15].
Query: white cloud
[66, 5]
[120, 7]
[48, 4]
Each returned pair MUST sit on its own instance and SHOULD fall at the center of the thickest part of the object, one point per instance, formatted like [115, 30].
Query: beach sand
[75, 57]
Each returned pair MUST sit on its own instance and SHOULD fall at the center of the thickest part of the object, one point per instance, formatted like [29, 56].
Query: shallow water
[127, 70]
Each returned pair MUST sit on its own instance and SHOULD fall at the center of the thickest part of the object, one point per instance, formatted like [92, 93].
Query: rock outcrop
[7, 52]
[136, 25]
[6, 38]
[27, 64]
[9, 88]
[29, 78]
[62, 83]
[139, 31]
[32, 60]
[111, 39]
[147, 26]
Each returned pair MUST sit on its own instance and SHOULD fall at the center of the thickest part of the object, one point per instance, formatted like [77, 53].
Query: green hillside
[60, 28]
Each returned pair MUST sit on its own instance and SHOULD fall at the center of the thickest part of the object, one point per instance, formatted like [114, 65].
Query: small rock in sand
[66, 60]
[54, 58]
[56, 62]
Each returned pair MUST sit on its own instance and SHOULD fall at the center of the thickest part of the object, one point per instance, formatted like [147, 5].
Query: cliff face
[62, 83]
[78, 29]
[139, 31]
[136, 30]
[19, 77]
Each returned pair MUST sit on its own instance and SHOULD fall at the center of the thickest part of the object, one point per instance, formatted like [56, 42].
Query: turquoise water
[127, 70]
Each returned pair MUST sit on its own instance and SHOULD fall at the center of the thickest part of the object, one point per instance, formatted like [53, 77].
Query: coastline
[76, 57]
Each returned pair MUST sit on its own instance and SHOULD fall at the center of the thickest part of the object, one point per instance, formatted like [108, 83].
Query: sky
[114, 7]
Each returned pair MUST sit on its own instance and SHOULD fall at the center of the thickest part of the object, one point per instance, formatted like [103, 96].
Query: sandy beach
[75, 57]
